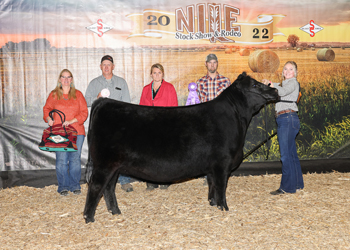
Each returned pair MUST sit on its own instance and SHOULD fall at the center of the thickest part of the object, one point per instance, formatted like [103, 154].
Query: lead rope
[263, 142]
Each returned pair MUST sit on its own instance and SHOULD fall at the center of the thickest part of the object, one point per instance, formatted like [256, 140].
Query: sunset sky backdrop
[64, 22]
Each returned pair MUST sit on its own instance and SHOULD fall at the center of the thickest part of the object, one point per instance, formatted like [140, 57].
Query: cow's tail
[89, 165]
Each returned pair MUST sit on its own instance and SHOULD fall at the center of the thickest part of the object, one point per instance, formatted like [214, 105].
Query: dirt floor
[181, 218]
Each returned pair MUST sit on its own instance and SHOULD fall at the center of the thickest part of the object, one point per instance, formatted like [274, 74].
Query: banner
[188, 27]
[40, 38]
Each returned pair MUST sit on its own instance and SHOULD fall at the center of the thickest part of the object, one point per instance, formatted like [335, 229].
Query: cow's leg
[88, 170]
[109, 195]
[98, 182]
[220, 180]
[212, 192]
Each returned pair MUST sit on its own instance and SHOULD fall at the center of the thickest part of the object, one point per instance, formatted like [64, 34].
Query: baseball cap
[107, 57]
[211, 57]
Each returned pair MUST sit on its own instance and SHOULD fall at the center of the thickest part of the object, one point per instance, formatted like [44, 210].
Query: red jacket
[165, 97]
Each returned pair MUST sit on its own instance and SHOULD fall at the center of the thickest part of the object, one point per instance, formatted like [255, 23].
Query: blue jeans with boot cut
[123, 179]
[68, 168]
[288, 126]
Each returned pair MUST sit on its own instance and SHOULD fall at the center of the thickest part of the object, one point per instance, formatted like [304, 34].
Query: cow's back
[161, 143]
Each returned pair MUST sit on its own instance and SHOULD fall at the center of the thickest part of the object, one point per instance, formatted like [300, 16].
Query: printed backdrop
[39, 38]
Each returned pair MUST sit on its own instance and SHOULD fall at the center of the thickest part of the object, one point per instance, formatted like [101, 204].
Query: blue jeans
[288, 126]
[68, 168]
[124, 179]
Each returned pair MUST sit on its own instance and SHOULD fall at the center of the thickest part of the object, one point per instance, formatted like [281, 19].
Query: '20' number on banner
[162, 20]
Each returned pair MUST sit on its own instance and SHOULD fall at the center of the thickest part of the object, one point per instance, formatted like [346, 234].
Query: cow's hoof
[212, 202]
[222, 208]
[88, 220]
[115, 211]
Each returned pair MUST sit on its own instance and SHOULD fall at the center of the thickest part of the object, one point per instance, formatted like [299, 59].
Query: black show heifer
[170, 144]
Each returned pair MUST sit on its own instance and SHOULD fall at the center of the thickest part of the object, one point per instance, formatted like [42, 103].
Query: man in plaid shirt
[211, 85]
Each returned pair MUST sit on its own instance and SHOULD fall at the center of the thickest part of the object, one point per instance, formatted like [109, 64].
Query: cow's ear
[241, 76]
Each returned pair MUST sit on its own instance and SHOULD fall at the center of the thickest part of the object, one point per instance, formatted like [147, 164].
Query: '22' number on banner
[162, 20]
[264, 31]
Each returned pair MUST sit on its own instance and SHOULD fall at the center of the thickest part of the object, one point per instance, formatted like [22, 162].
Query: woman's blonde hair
[58, 90]
[295, 67]
[158, 66]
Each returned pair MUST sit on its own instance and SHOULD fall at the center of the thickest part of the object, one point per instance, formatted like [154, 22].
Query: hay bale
[264, 61]
[228, 51]
[313, 49]
[325, 55]
[299, 49]
[244, 52]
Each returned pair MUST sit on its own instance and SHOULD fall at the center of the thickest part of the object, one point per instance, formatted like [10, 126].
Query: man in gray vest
[109, 86]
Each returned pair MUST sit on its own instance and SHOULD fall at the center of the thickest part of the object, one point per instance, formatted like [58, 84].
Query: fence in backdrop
[39, 38]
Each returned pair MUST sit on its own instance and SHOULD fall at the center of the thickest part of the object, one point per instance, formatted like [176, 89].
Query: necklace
[65, 98]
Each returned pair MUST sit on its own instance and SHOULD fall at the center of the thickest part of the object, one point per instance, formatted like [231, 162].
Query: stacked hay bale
[228, 51]
[325, 54]
[244, 52]
[264, 61]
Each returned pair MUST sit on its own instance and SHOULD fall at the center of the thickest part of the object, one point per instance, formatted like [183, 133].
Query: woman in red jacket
[66, 98]
[158, 93]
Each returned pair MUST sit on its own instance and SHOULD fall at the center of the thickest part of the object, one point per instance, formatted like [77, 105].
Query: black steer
[170, 144]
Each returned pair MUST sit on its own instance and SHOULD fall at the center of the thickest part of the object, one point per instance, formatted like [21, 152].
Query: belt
[284, 112]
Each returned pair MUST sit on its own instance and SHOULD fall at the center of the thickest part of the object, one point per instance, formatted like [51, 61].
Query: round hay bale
[264, 61]
[325, 55]
[313, 49]
[228, 51]
[244, 52]
[299, 49]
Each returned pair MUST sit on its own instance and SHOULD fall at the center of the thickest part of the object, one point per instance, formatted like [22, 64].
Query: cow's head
[256, 93]
[254, 89]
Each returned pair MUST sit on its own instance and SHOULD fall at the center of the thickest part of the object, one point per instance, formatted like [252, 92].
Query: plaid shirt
[209, 88]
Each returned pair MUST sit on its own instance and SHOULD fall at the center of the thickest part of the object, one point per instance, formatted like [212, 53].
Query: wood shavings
[181, 217]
